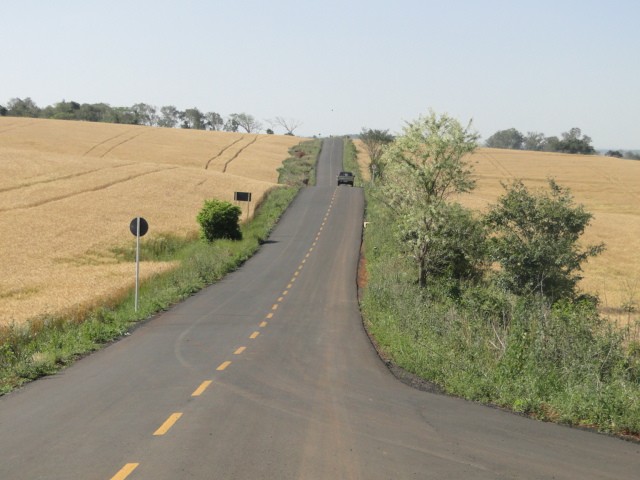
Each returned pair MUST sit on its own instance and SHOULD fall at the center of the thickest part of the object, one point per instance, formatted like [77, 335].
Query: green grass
[349, 161]
[45, 345]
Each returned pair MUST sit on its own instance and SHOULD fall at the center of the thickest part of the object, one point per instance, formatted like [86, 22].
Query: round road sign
[144, 226]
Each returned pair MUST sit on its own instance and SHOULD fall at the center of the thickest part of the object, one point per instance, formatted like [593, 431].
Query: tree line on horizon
[573, 141]
[167, 116]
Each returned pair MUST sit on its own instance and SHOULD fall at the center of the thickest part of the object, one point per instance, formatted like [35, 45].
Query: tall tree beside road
[375, 141]
[424, 167]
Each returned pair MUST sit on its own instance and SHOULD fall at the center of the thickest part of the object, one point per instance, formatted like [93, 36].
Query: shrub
[219, 219]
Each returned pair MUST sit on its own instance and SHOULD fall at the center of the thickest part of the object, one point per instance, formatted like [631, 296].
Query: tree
[246, 122]
[510, 138]
[219, 219]
[193, 118]
[3, 111]
[375, 141]
[231, 125]
[213, 121]
[145, 114]
[16, 107]
[289, 124]
[424, 167]
[535, 240]
[551, 144]
[170, 116]
[614, 153]
[574, 142]
[533, 141]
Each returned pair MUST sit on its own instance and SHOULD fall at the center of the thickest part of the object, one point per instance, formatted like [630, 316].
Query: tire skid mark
[222, 151]
[88, 190]
[224, 170]
[64, 177]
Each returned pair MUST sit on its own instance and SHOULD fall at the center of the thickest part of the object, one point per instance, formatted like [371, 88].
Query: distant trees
[572, 141]
[246, 122]
[167, 116]
[510, 138]
[374, 142]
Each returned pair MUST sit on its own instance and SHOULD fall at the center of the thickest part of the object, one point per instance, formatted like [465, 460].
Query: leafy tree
[614, 153]
[231, 125]
[375, 141]
[533, 141]
[551, 144]
[632, 155]
[16, 107]
[193, 118]
[219, 219]
[213, 121]
[510, 138]
[574, 142]
[170, 116]
[3, 111]
[246, 122]
[424, 168]
[145, 114]
[535, 240]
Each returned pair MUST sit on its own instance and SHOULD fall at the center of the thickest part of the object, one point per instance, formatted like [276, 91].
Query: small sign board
[144, 227]
[242, 196]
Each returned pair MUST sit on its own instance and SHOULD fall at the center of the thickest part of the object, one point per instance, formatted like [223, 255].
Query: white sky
[338, 66]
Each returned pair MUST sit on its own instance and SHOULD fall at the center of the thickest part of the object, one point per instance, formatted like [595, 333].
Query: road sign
[144, 226]
[242, 196]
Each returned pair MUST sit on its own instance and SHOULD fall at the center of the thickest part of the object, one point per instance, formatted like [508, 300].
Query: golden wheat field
[68, 191]
[608, 187]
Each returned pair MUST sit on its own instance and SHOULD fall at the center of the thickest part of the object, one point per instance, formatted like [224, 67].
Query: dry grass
[68, 191]
[363, 160]
[608, 187]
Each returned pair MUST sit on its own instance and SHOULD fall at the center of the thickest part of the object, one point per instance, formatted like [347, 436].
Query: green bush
[219, 219]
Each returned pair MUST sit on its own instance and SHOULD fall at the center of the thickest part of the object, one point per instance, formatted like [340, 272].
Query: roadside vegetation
[44, 345]
[487, 307]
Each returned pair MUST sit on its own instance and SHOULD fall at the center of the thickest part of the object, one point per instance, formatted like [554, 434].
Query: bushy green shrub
[219, 219]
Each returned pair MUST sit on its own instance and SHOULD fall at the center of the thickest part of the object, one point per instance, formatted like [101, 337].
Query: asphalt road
[270, 375]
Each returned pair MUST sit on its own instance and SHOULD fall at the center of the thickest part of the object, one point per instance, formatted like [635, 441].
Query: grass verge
[45, 345]
[563, 362]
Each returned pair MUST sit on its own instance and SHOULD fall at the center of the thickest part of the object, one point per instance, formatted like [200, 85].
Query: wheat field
[608, 187]
[68, 191]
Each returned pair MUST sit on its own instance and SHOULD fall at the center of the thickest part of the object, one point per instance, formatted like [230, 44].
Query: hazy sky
[338, 66]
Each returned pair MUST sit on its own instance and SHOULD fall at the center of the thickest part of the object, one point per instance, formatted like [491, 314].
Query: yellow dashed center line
[125, 471]
[280, 299]
[239, 350]
[289, 286]
[275, 307]
[223, 365]
[164, 428]
[254, 335]
[263, 324]
[200, 390]
[270, 315]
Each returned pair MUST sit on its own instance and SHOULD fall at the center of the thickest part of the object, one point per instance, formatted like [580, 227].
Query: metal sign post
[139, 227]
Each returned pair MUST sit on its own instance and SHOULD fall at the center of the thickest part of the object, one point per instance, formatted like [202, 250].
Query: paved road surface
[269, 375]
